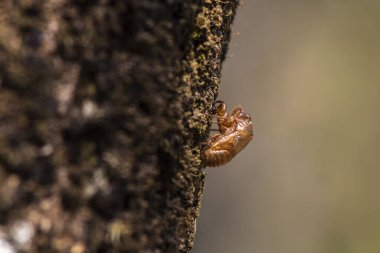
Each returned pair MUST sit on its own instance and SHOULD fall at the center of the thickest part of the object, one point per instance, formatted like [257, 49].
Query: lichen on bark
[103, 110]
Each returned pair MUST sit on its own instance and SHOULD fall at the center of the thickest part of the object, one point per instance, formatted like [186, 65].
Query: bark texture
[103, 111]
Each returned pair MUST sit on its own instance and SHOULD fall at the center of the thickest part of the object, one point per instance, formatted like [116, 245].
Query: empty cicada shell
[236, 131]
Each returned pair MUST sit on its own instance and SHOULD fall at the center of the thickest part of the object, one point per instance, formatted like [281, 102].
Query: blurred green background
[309, 73]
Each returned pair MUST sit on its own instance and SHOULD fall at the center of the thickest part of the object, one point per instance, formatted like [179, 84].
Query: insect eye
[220, 108]
[244, 115]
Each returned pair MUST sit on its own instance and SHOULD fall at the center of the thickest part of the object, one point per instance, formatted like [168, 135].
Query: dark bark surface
[103, 111]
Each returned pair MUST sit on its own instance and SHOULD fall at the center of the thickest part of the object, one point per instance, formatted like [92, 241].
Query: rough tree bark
[103, 111]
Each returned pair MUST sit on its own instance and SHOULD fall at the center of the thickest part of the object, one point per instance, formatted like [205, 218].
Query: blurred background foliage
[309, 73]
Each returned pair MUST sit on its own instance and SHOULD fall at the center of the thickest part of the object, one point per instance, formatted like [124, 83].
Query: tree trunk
[104, 106]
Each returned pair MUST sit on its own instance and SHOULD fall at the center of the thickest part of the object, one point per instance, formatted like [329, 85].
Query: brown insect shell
[228, 144]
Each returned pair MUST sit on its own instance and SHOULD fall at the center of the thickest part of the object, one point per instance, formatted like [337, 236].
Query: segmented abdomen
[214, 158]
